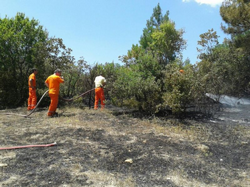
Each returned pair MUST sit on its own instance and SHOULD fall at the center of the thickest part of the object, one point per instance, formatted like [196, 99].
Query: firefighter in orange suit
[100, 82]
[53, 83]
[32, 90]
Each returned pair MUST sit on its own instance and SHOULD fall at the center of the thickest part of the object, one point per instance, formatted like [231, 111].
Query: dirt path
[107, 148]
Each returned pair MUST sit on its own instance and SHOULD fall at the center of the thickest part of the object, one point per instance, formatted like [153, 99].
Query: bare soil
[114, 147]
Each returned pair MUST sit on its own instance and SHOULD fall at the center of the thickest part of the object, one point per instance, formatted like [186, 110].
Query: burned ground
[110, 148]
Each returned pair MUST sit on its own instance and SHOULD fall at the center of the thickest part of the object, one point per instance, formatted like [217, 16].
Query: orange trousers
[53, 104]
[32, 99]
[99, 94]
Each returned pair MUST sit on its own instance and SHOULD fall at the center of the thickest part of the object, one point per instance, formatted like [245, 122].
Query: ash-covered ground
[114, 147]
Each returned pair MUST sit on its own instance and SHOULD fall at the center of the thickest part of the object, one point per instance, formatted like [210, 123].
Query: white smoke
[232, 101]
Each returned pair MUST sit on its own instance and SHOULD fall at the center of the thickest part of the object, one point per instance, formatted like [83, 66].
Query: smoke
[231, 101]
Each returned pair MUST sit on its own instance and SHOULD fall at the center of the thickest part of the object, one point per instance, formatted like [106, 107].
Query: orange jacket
[33, 77]
[54, 83]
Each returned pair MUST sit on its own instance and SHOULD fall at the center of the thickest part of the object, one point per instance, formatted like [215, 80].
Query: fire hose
[32, 110]
[78, 96]
[43, 97]
[45, 145]
[27, 146]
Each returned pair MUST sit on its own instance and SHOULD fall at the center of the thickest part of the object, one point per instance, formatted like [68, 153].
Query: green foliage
[137, 87]
[148, 66]
[236, 15]
[133, 55]
[167, 42]
[150, 80]
[208, 41]
[224, 68]
[153, 23]
[20, 42]
[181, 89]
[141, 83]
[110, 71]
[24, 44]
[160, 38]
[85, 80]
[73, 78]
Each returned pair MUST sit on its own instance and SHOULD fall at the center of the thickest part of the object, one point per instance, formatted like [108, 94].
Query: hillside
[113, 147]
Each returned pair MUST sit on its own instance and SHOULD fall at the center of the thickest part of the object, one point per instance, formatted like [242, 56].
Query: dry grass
[110, 148]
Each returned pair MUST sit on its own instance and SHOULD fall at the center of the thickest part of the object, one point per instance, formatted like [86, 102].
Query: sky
[101, 31]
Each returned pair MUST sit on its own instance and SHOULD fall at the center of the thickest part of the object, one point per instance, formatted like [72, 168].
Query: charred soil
[113, 147]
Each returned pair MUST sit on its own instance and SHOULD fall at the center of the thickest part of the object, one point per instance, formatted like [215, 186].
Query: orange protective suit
[99, 94]
[54, 86]
[32, 92]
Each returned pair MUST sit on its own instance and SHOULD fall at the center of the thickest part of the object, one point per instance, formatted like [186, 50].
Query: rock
[203, 148]
[3, 165]
[129, 160]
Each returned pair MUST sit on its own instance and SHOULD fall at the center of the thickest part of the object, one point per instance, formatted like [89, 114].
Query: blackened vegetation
[101, 142]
